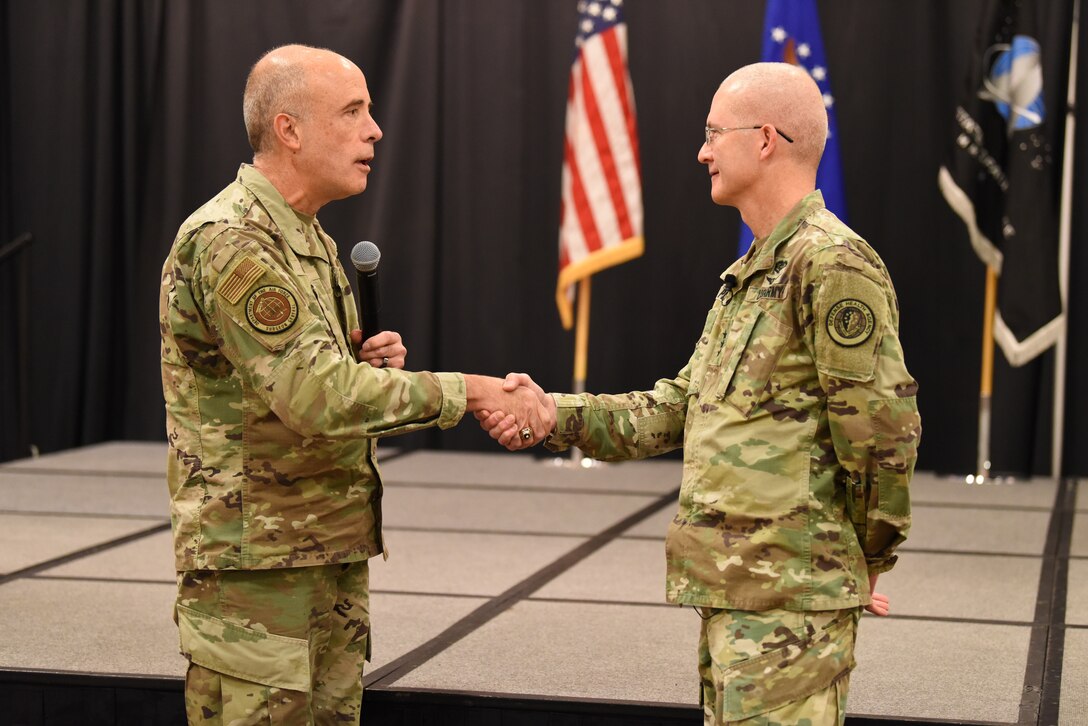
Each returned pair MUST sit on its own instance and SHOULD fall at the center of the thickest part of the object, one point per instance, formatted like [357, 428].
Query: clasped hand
[519, 405]
[515, 411]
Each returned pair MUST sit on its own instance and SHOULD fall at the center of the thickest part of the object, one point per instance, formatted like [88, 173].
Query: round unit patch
[271, 309]
[850, 322]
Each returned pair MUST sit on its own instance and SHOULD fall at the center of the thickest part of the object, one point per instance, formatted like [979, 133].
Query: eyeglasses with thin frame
[712, 131]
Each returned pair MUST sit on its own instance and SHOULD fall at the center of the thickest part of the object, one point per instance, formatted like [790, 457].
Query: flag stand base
[986, 479]
[581, 462]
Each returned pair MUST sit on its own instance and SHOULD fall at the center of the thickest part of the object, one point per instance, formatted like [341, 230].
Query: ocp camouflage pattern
[799, 425]
[783, 666]
[282, 646]
[270, 419]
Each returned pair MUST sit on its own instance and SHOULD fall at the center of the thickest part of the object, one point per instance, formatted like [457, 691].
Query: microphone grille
[365, 256]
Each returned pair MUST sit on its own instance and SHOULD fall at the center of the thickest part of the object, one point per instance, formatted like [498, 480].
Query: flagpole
[986, 384]
[581, 351]
[1064, 233]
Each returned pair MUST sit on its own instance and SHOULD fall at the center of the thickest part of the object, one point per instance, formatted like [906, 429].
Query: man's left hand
[384, 350]
[880, 604]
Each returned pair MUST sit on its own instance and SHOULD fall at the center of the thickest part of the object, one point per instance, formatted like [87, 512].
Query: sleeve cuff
[878, 567]
[453, 399]
[565, 434]
[554, 442]
[568, 400]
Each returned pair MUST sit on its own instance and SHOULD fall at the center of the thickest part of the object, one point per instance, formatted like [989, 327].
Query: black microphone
[365, 256]
[728, 283]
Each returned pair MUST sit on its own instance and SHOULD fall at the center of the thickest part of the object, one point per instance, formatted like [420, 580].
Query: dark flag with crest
[1003, 173]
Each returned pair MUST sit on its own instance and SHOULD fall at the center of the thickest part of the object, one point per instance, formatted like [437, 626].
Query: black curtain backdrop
[9, 402]
[122, 116]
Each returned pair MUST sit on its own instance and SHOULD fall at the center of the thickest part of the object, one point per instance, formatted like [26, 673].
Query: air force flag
[791, 34]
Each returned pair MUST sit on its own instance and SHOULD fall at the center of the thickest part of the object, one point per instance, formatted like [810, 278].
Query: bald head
[786, 97]
[278, 83]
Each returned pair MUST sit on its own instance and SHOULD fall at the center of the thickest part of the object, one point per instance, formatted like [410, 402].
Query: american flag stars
[595, 17]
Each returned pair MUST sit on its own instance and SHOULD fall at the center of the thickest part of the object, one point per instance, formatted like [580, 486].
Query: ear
[769, 141]
[285, 127]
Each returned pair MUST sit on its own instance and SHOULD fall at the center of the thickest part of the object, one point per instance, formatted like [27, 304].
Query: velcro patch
[271, 309]
[851, 311]
[850, 322]
[240, 279]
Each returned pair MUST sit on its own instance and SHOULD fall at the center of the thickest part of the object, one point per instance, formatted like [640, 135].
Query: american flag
[601, 215]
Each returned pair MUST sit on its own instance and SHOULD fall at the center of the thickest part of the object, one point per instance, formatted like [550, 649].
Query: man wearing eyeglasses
[797, 417]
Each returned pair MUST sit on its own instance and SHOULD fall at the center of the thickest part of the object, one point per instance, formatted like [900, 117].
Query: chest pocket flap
[751, 358]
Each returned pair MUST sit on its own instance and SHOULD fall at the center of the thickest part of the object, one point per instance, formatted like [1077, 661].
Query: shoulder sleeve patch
[262, 301]
[850, 316]
[850, 322]
[233, 285]
[271, 309]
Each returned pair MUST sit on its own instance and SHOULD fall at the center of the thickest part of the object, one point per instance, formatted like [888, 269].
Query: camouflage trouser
[283, 646]
[776, 666]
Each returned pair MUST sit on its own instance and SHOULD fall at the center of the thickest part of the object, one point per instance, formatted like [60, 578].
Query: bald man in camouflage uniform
[275, 490]
[797, 417]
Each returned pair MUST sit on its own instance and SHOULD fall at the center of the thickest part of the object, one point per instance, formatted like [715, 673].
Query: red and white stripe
[601, 181]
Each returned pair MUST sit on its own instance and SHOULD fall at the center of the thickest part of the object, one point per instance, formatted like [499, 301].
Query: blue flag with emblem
[1002, 172]
[791, 34]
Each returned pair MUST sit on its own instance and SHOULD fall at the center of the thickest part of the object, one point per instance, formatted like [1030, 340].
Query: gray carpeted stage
[518, 591]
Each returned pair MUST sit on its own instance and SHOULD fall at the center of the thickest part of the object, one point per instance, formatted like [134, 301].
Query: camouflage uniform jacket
[798, 421]
[271, 421]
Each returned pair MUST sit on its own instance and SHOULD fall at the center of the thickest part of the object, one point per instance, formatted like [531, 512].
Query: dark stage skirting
[519, 592]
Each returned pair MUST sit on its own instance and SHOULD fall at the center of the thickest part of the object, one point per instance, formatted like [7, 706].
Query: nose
[704, 156]
[373, 131]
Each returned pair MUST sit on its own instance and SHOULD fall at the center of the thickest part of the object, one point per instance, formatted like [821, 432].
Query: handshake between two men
[514, 426]
[515, 411]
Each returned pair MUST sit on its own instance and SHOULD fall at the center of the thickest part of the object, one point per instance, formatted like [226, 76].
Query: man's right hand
[503, 426]
[518, 406]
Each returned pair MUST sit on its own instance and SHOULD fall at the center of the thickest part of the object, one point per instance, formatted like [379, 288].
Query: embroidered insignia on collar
[271, 309]
[776, 271]
[850, 322]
